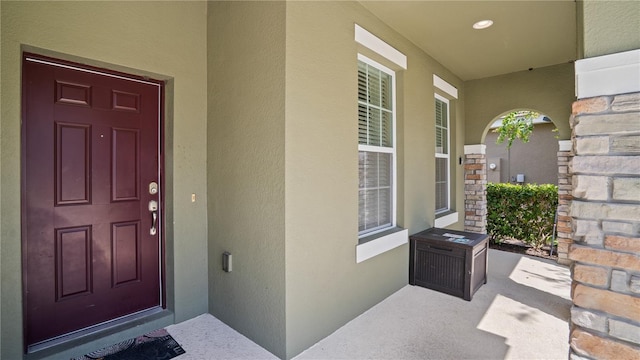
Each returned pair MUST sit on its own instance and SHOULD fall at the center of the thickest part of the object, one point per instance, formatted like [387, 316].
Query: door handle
[153, 209]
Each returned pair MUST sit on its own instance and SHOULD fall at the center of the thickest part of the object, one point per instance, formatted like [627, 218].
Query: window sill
[379, 243]
[446, 219]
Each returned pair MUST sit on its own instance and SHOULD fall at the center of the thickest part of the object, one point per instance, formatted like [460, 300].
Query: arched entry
[531, 162]
[476, 176]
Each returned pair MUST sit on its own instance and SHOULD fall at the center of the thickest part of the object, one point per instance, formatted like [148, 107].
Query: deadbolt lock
[153, 188]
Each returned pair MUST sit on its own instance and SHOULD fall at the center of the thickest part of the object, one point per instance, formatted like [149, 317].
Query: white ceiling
[525, 34]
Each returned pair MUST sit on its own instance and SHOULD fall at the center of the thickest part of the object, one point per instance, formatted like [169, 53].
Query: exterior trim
[445, 86]
[446, 220]
[87, 69]
[382, 149]
[380, 245]
[608, 75]
[475, 149]
[374, 43]
[441, 154]
[565, 145]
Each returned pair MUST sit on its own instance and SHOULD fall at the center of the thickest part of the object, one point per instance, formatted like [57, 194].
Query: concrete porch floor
[521, 313]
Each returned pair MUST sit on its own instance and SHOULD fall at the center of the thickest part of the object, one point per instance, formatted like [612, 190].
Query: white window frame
[383, 149]
[446, 155]
[380, 243]
[451, 217]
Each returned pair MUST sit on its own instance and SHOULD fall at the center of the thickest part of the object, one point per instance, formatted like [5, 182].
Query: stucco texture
[325, 287]
[549, 90]
[246, 167]
[536, 159]
[283, 167]
[610, 26]
[262, 126]
[165, 40]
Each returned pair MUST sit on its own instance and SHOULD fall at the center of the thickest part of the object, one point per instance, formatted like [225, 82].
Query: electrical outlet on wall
[226, 261]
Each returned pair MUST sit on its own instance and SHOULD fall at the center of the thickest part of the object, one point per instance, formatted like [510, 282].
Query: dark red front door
[91, 246]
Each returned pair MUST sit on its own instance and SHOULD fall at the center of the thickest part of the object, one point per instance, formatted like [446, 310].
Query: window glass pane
[386, 136]
[361, 210]
[374, 86]
[363, 121]
[362, 81]
[385, 91]
[445, 141]
[371, 209]
[375, 118]
[375, 201]
[384, 206]
[442, 161]
[442, 131]
[439, 144]
[439, 113]
[371, 170]
[374, 127]
[442, 187]
[384, 169]
[445, 112]
[362, 159]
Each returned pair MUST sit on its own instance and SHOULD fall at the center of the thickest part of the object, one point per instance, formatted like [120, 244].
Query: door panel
[125, 242]
[73, 262]
[91, 147]
[124, 159]
[72, 164]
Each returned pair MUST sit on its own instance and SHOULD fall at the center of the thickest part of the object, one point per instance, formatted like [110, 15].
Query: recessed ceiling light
[482, 24]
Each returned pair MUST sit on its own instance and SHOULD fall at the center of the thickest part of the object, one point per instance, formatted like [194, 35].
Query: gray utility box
[450, 261]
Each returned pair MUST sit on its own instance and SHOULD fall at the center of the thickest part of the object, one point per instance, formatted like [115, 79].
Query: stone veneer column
[563, 229]
[605, 211]
[475, 188]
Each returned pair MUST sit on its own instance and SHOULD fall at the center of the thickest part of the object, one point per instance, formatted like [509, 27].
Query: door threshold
[93, 330]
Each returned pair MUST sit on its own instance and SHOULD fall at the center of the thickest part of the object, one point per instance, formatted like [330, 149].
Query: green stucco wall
[164, 39]
[610, 26]
[283, 167]
[536, 159]
[549, 90]
[325, 287]
[246, 169]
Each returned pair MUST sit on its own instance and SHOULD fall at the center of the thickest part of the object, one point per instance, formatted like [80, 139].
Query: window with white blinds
[442, 155]
[376, 147]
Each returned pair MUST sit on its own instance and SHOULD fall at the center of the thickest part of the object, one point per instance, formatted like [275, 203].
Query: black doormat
[156, 345]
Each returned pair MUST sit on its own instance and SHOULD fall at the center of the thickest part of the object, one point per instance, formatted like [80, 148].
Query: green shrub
[523, 212]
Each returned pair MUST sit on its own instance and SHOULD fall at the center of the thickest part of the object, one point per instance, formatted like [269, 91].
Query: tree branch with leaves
[516, 125]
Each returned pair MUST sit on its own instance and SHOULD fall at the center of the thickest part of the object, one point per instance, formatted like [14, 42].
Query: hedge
[523, 212]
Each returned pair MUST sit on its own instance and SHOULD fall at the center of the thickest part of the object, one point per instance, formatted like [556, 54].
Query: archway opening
[532, 162]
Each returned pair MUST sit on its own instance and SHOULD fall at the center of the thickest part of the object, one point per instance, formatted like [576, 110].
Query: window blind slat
[386, 137]
[442, 158]
[439, 113]
[385, 92]
[363, 121]
[375, 189]
[445, 141]
[374, 127]
[374, 85]
[375, 160]
[441, 184]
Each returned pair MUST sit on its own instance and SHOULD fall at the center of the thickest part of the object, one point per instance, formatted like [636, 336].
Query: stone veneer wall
[605, 210]
[565, 189]
[475, 193]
